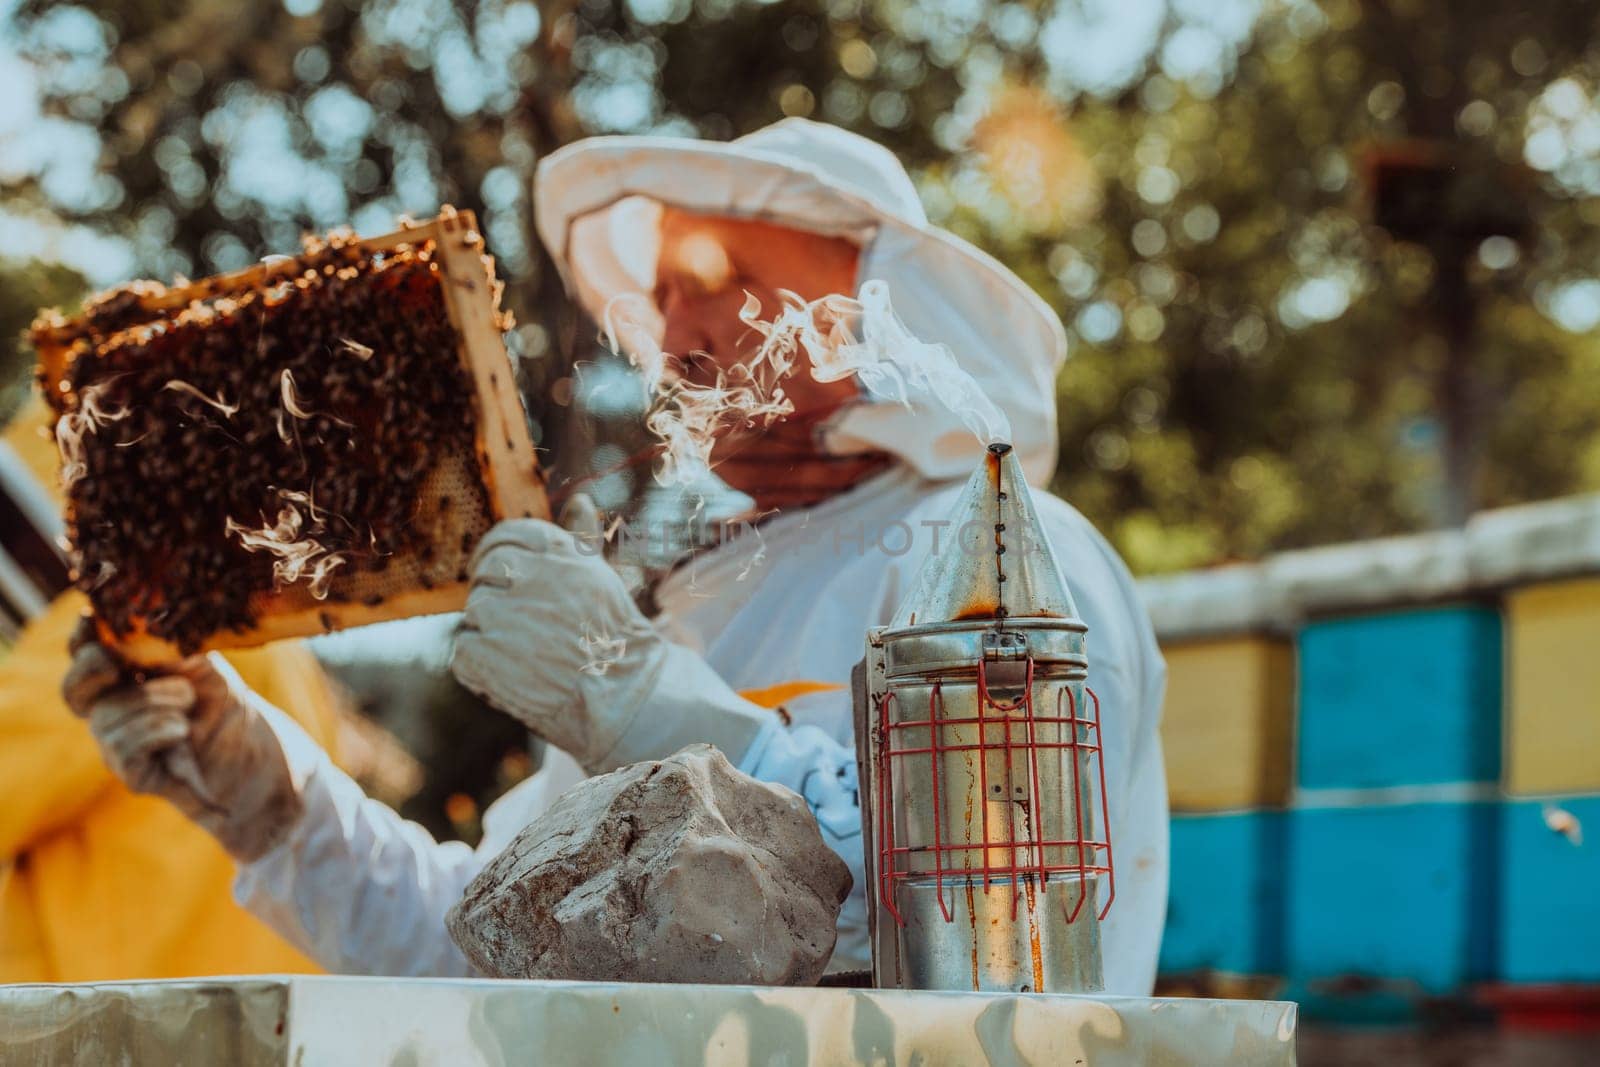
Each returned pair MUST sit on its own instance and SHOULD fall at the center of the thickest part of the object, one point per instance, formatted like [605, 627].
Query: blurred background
[1327, 268]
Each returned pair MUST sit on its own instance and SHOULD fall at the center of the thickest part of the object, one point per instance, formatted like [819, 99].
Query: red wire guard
[1025, 856]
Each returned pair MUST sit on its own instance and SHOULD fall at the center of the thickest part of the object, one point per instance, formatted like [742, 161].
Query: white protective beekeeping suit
[365, 891]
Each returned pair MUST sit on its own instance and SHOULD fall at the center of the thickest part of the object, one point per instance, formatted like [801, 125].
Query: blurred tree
[1325, 296]
[1337, 286]
[25, 287]
[220, 131]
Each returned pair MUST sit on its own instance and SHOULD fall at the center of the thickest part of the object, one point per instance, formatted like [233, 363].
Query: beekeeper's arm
[551, 636]
[338, 874]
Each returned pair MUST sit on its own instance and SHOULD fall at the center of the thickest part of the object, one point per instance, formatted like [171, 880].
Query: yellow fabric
[28, 434]
[775, 696]
[97, 883]
[1226, 725]
[1552, 723]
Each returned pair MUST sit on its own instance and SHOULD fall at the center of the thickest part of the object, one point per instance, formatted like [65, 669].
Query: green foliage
[1277, 341]
[24, 289]
[1258, 364]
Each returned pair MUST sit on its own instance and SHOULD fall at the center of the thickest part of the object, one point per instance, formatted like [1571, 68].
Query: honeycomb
[352, 408]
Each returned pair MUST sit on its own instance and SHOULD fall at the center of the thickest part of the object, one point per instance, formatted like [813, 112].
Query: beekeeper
[681, 230]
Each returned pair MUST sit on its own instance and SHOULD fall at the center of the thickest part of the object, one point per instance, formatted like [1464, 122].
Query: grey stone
[681, 870]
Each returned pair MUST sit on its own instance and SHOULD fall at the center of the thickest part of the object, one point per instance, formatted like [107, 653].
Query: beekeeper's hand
[190, 733]
[551, 637]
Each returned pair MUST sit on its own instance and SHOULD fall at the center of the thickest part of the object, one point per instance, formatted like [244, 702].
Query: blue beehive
[1225, 910]
[1404, 698]
[1550, 924]
[1397, 900]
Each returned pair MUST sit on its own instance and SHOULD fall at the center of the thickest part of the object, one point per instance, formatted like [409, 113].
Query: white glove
[189, 733]
[551, 637]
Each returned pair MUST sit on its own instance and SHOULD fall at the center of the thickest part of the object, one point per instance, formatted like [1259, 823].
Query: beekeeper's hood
[597, 203]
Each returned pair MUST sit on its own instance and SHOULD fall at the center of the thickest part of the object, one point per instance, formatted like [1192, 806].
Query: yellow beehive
[1226, 725]
[1552, 723]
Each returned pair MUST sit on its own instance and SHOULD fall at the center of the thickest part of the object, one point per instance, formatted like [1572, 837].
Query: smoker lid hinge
[1004, 645]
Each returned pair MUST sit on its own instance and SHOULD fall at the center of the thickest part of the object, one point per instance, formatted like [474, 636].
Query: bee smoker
[983, 788]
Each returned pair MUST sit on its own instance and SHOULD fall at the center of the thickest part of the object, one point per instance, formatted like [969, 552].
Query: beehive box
[1227, 723]
[1225, 911]
[305, 445]
[1400, 698]
[1552, 719]
[1549, 930]
[1388, 901]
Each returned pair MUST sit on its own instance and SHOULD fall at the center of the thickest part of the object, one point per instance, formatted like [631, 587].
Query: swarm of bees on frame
[272, 436]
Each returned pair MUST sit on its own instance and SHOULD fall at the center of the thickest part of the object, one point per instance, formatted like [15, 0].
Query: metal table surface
[309, 1021]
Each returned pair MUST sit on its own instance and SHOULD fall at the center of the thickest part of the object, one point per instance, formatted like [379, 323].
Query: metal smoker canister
[983, 804]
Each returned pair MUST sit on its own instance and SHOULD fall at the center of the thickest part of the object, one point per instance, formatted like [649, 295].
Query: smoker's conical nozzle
[994, 561]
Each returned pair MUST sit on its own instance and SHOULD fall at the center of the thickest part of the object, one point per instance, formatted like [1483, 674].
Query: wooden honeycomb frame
[506, 462]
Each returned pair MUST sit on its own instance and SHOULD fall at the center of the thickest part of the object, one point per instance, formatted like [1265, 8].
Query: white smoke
[601, 650]
[863, 337]
[227, 409]
[296, 553]
[74, 426]
[838, 336]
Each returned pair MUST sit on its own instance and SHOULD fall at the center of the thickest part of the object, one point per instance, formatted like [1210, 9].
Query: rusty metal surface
[312, 1021]
[966, 800]
[984, 937]
[997, 561]
[984, 809]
